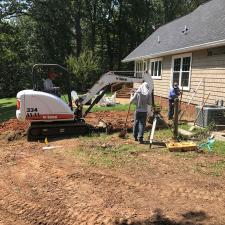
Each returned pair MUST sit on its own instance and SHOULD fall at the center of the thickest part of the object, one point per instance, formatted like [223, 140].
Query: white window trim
[139, 67]
[135, 68]
[172, 67]
[145, 65]
[150, 68]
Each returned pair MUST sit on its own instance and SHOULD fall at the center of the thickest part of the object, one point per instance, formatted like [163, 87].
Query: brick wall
[189, 115]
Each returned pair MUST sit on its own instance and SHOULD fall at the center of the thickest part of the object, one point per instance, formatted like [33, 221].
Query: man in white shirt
[142, 98]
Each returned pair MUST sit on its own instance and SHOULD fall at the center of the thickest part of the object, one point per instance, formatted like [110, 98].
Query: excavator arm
[108, 79]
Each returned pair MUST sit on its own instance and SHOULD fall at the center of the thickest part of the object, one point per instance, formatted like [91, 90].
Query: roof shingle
[205, 25]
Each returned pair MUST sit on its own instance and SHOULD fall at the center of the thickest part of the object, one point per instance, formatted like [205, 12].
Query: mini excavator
[50, 115]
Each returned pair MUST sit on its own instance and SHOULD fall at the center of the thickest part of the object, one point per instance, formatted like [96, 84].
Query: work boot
[141, 141]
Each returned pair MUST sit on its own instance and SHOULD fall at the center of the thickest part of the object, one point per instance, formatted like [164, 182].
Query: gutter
[178, 51]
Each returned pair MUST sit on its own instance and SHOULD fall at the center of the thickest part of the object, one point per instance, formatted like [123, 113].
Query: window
[139, 68]
[155, 68]
[181, 71]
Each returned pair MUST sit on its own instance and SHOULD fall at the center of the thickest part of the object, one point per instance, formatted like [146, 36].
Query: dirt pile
[13, 125]
[115, 120]
[13, 130]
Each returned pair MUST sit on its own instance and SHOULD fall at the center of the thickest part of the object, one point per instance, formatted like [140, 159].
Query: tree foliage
[85, 70]
[76, 32]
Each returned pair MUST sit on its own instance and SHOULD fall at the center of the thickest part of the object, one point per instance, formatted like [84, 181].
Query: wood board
[181, 146]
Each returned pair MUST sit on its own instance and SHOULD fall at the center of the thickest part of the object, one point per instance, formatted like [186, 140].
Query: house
[189, 50]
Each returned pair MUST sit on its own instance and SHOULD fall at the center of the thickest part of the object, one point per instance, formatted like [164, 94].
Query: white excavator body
[37, 106]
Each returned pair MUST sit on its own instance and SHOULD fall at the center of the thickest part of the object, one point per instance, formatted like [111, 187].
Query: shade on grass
[7, 108]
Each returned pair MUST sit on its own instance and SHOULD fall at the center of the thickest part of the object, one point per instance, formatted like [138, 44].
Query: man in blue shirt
[174, 93]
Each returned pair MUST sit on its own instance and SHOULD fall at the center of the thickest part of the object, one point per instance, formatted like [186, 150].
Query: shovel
[123, 132]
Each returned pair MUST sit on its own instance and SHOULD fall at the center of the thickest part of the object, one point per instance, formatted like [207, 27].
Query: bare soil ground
[117, 120]
[107, 180]
[13, 129]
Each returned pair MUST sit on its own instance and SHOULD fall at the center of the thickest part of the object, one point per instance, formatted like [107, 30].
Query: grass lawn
[110, 151]
[118, 107]
[219, 147]
[7, 109]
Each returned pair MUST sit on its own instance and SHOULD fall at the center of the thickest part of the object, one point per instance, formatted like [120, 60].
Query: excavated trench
[110, 121]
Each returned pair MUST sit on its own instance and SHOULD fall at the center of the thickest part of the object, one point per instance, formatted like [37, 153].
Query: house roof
[206, 28]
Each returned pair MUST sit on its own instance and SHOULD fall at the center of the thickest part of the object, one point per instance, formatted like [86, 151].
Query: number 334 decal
[31, 110]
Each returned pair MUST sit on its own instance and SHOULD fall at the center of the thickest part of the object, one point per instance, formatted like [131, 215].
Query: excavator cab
[53, 79]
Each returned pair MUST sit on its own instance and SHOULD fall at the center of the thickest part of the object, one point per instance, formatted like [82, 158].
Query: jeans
[171, 109]
[139, 125]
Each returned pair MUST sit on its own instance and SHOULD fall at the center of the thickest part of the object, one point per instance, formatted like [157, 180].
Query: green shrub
[85, 70]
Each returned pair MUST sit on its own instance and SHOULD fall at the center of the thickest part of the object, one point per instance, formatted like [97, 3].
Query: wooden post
[203, 103]
[203, 93]
[176, 106]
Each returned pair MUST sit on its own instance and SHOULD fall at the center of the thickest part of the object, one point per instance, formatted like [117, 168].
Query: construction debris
[108, 101]
[220, 136]
[51, 147]
[185, 132]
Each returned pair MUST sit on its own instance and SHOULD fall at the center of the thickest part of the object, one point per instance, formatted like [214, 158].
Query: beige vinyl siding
[161, 87]
[212, 68]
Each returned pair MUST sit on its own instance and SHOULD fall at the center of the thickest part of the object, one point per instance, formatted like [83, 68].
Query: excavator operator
[48, 84]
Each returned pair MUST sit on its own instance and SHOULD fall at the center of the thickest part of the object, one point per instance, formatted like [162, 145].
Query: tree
[75, 32]
[85, 70]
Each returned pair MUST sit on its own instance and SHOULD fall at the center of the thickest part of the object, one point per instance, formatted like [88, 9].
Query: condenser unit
[210, 114]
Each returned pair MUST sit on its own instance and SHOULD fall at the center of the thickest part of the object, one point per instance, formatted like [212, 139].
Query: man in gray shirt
[48, 84]
[141, 98]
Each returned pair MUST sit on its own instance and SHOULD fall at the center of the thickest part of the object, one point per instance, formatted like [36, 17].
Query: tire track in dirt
[40, 213]
[85, 212]
[31, 212]
[144, 192]
[163, 191]
[9, 219]
[185, 192]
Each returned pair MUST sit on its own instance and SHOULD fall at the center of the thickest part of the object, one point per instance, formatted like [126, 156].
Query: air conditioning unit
[210, 114]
